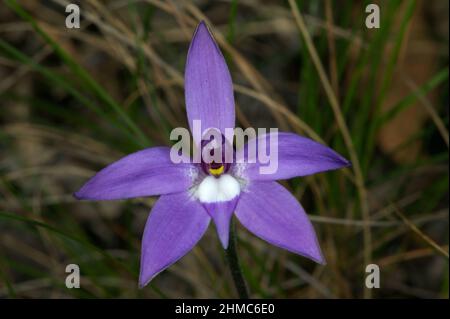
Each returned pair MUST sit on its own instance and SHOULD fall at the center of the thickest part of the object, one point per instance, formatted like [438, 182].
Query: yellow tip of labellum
[216, 171]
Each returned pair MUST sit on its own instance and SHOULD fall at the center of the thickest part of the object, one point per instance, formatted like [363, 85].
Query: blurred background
[74, 100]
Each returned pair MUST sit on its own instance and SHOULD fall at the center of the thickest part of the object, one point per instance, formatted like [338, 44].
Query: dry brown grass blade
[272, 104]
[407, 256]
[374, 223]
[416, 230]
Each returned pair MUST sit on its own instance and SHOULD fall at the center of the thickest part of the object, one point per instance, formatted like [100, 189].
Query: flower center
[215, 169]
[214, 158]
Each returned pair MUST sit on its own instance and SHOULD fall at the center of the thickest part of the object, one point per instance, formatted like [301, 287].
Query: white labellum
[221, 189]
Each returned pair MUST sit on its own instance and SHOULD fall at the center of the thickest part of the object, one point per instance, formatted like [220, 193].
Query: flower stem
[235, 268]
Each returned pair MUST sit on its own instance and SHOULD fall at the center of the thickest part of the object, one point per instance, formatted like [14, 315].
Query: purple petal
[221, 213]
[269, 211]
[208, 86]
[175, 225]
[144, 173]
[295, 155]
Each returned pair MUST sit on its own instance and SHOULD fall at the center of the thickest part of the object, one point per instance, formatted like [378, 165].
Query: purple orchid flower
[192, 194]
